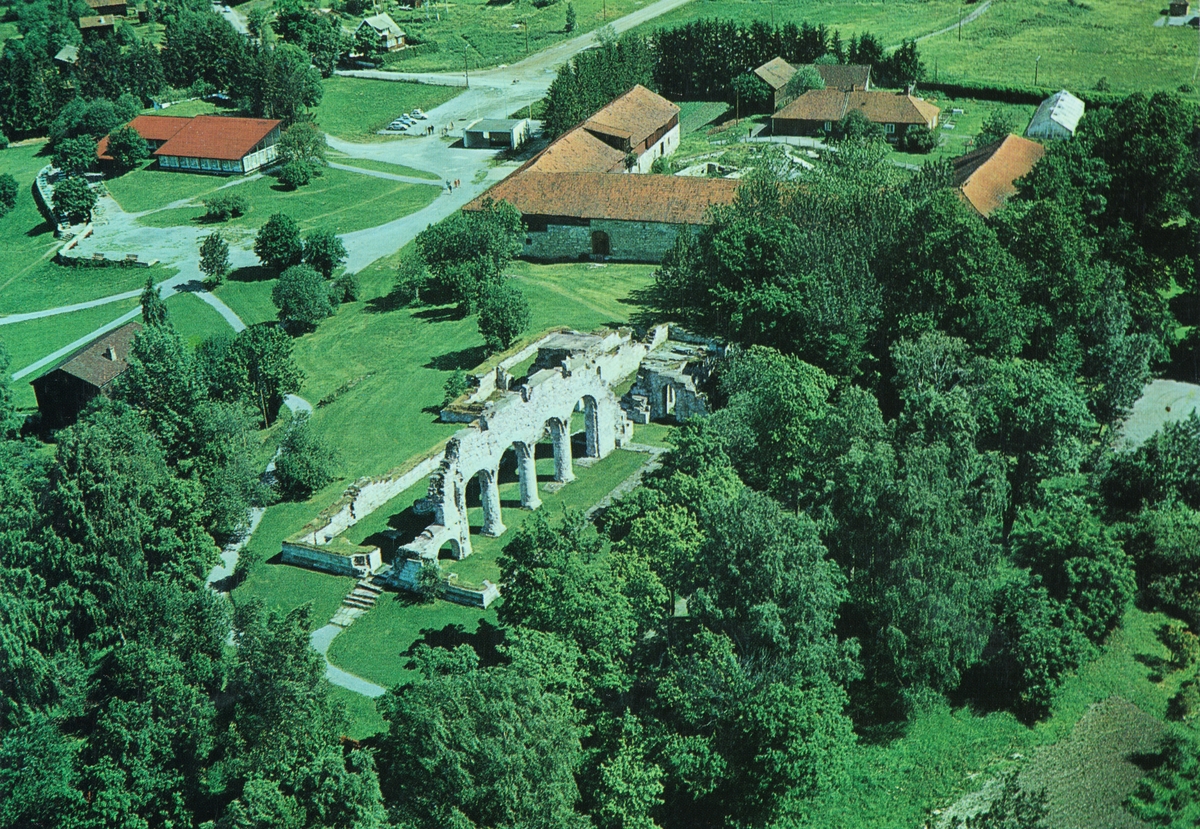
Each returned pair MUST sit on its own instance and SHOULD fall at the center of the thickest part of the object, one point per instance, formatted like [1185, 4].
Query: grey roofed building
[1056, 117]
[391, 36]
[68, 54]
[494, 133]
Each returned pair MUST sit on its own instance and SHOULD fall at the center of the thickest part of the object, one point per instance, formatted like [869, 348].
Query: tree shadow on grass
[391, 301]
[440, 313]
[251, 273]
[484, 641]
[463, 358]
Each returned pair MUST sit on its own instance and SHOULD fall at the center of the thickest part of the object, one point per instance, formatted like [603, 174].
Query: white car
[416, 113]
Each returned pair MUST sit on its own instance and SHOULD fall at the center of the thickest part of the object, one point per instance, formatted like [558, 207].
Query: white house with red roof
[216, 144]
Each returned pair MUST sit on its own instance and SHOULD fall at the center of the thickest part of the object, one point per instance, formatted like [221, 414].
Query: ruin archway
[527, 474]
[489, 499]
[450, 549]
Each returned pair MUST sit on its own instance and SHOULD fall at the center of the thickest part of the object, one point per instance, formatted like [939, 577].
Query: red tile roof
[218, 136]
[104, 359]
[615, 196]
[879, 107]
[577, 151]
[986, 177]
[155, 128]
[635, 116]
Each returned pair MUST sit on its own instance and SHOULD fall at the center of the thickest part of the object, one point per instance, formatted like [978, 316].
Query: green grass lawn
[364, 720]
[26, 238]
[195, 319]
[338, 200]
[249, 300]
[1113, 39]
[961, 139]
[383, 167]
[696, 114]
[945, 753]
[47, 285]
[29, 341]
[356, 108]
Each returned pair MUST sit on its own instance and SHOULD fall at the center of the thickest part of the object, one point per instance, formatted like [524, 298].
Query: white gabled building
[1056, 117]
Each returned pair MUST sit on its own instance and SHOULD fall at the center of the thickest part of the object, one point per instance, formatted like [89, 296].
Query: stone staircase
[358, 601]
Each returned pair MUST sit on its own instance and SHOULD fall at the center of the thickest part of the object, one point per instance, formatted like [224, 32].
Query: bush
[224, 206]
[302, 296]
[127, 148]
[305, 462]
[324, 251]
[8, 193]
[918, 138]
[1182, 643]
[430, 584]
[456, 386]
[1185, 705]
[295, 173]
[345, 288]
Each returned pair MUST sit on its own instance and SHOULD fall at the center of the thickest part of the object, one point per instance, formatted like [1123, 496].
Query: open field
[249, 300]
[1079, 43]
[946, 752]
[338, 200]
[356, 108]
[47, 285]
[32, 340]
[26, 238]
[364, 720]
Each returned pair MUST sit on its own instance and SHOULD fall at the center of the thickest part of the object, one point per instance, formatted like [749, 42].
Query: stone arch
[451, 544]
[489, 499]
[601, 244]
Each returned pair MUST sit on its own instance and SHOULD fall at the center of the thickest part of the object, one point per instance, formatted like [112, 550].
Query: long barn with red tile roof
[584, 196]
[217, 144]
[986, 177]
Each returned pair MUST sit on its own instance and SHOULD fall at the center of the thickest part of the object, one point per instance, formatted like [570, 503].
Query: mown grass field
[195, 319]
[961, 139]
[356, 108]
[337, 200]
[1078, 43]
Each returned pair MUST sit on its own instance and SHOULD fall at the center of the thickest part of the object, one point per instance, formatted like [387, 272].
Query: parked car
[417, 113]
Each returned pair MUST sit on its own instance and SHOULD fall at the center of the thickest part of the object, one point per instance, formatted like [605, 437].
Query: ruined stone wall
[358, 564]
[628, 241]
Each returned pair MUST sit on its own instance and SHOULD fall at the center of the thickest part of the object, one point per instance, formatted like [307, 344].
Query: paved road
[970, 18]
[66, 309]
[321, 640]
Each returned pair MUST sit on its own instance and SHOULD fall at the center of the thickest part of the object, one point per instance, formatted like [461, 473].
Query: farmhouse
[1056, 117]
[217, 144]
[155, 129]
[391, 36]
[491, 133]
[113, 8]
[817, 111]
[640, 124]
[986, 177]
[848, 78]
[97, 24]
[64, 391]
[606, 216]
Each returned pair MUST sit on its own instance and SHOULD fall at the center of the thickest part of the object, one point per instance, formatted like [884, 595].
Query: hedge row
[410, 52]
[1016, 94]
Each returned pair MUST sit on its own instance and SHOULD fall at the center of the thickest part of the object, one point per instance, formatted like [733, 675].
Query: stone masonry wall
[628, 241]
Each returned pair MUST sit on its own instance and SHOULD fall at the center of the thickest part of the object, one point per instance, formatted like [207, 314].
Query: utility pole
[960, 22]
[525, 26]
[1035, 69]
[466, 68]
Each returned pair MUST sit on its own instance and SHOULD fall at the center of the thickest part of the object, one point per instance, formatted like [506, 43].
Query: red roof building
[818, 110]
[986, 177]
[156, 129]
[221, 144]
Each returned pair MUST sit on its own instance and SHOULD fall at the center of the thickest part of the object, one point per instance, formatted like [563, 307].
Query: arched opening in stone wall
[483, 491]
[601, 246]
[450, 549]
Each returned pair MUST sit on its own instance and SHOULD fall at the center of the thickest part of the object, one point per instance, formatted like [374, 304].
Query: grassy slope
[383, 167]
[195, 319]
[364, 720]
[338, 200]
[249, 300]
[355, 108]
[946, 752]
[26, 238]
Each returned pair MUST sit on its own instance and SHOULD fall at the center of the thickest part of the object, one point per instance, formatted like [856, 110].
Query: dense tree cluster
[593, 79]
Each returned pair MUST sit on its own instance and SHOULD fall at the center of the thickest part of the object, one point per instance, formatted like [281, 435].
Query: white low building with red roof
[217, 144]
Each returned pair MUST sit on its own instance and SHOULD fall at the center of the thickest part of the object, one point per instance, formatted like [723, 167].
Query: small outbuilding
[1057, 117]
[391, 37]
[97, 24]
[496, 134]
[1178, 8]
[987, 176]
[776, 73]
[68, 55]
[64, 391]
